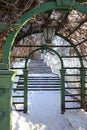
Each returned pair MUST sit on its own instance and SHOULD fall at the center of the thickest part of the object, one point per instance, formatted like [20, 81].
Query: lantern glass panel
[45, 33]
[48, 33]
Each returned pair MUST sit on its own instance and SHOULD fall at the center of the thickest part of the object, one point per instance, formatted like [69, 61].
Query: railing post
[6, 82]
[25, 89]
[62, 90]
[83, 88]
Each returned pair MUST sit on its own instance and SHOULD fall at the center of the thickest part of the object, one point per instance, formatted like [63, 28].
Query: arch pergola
[6, 75]
[63, 37]
[57, 5]
[44, 47]
[82, 70]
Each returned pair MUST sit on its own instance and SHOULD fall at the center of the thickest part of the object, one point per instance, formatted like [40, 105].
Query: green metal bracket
[44, 47]
[16, 26]
[1, 115]
[70, 3]
[3, 66]
[3, 26]
[2, 91]
[81, 0]
[59, 2]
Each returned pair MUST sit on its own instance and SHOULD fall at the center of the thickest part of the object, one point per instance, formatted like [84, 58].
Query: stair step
[18, 102]
[43, 77]
[72, 94]
[73, 108]
[18, 96]
[40, 80]
[40, 66]
[73, 88]
[37, 82]
[40, 72]
[19, 110]
[73, 101]
[40, 83]
[39, 86]
[38, 89]
[39, 75]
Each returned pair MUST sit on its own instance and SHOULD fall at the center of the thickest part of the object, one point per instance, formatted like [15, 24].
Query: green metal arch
[44, 47]
[66, 39]
[78, 53]
[27, 16]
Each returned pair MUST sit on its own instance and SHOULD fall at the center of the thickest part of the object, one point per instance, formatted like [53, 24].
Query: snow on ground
[44, 114]
[77, 119]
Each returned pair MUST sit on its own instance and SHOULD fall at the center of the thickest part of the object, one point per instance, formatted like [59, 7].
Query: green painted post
[25, 89]
[62, 71]
[83, 88]
[6, 82]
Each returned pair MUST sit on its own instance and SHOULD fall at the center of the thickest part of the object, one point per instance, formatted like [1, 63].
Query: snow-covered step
[40, 86]
[38, 67]
[40, 83]
[40, 71]
[37, 89]
[41, 78]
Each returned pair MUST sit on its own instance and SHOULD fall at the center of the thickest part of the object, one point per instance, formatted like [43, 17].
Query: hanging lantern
[49, 32]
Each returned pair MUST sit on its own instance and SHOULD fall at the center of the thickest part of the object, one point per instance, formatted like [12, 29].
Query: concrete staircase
[39, 67]
[40, 82]
[40, 78]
